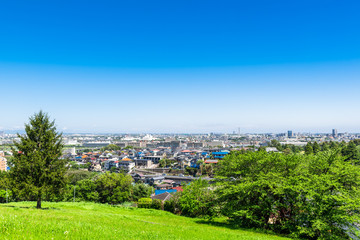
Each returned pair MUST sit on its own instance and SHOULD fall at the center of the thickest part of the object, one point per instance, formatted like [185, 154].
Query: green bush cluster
[150, 203]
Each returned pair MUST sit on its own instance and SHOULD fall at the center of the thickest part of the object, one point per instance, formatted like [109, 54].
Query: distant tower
[238, 131]
[335, 133]
[290, 134]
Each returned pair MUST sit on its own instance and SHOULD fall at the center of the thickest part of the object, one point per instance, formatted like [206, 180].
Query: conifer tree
[37, 165]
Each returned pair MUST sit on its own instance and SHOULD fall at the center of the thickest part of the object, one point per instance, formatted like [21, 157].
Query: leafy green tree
[165, 162]
[141, 190]
[334, 145]
[74, 165]
[86, 191]
[325, 146]
[37, 165]
[162, 163]
[262, 148]
[351, 152]
[309, 149]
[191, 171]
[114, 188]
[357, 142]
[276, 143]
[173, 205]
[287, 151]
[111, 147]
[198, 200]
[316, 148]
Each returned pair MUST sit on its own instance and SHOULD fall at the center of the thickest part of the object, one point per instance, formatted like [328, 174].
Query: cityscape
[145, 151]
[186, 120]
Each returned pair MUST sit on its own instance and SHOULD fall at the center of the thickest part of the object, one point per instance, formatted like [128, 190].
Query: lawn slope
[97, 221]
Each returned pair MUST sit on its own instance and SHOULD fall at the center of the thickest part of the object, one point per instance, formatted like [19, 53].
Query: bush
[144, 203]
[141, 190]
[197, 200]
[157, 204]
[4, 195]
[173, 204]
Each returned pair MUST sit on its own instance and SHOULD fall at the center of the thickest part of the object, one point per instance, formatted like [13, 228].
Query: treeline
[315, 147]
[111, 188]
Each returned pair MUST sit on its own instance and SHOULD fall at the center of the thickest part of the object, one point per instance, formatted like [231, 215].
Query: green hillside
[96, 221]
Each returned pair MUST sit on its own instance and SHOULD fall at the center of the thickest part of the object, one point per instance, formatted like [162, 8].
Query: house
[165, 186]
[163, 196]
[110, 164]
[154, 159]
[138, 177]
[154, 180]
[211, 161]
[146, 163]
[219, 155]
[3, 164]
[126, 164]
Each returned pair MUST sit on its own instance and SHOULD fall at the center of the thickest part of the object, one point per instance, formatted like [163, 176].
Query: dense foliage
[312, 196]
[197, 199]
[112, 188]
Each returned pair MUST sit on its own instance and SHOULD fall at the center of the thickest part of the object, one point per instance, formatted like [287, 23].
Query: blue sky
[181, 66]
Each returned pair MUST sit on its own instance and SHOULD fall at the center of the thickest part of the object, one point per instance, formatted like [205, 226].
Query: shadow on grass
[11, 206]
[233, 226]
[218, 224]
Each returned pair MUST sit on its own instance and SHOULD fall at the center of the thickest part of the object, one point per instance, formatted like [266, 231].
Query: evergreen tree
[37, 168]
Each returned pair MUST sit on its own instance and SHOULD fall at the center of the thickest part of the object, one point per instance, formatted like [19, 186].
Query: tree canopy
[311, 196]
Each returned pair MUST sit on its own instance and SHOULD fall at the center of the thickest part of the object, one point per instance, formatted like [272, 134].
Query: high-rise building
[290, 134]
[335, 133]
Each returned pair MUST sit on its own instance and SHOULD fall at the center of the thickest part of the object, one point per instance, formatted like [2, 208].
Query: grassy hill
[97, 221]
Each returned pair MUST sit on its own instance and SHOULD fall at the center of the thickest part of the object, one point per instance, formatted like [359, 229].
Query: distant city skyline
[285, 133]
[181, 67]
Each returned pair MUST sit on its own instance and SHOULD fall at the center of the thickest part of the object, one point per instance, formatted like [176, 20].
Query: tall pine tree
[37, 165]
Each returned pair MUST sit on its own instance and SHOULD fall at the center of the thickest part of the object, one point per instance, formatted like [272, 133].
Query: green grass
[99, 221]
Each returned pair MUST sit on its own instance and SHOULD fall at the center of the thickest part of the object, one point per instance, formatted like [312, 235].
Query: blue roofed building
[219, 155]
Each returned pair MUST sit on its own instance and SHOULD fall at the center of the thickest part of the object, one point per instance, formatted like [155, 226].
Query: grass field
[97, 221]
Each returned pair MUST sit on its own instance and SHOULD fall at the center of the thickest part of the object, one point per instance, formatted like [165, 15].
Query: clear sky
[181, 66]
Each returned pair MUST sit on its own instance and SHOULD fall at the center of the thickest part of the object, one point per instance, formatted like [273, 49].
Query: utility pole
[7, 197]
[74, 192]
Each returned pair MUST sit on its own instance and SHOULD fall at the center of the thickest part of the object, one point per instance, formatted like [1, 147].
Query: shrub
[157, 204]
[144, 203]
